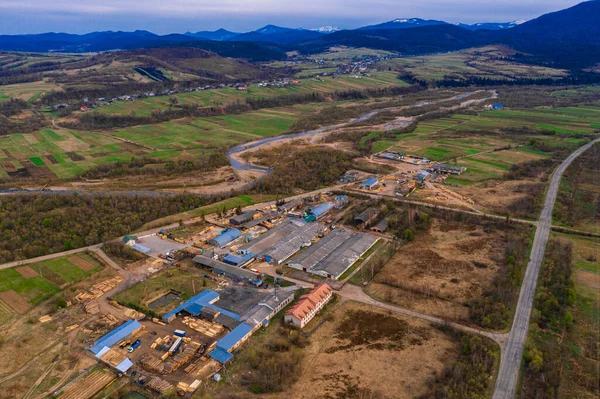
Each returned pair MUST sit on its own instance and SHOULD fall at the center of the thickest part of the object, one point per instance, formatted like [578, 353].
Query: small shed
[242, 218]
[381, 226]
[422, 175]
[369, 184]
[292, 205]
[341, 201]
[130, 240]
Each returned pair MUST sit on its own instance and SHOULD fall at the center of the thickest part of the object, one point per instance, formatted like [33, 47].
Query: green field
[466, 140]
[40, 288]
[69, 153]
[229, 95]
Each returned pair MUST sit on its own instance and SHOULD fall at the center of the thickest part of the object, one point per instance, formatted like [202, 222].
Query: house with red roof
[308, 306]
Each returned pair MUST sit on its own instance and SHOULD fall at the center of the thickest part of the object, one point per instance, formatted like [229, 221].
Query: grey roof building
[232, 272]
[381, 226]
[242, 218]
[283, 241]
[367, 217]
[334, 254]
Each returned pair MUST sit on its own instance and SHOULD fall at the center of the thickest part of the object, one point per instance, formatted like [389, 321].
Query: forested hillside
[35, 225]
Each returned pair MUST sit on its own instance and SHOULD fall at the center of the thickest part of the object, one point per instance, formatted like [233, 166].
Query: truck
[179, 333]
[175, 347]
[134, 346]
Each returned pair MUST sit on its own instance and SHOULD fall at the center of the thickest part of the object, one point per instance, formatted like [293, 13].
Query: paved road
[510, 364]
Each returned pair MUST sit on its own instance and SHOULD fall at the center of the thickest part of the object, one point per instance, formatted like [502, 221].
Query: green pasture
[229, 95]
[38, 289]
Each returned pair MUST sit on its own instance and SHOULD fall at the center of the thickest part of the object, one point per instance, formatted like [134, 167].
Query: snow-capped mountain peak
[327, 29]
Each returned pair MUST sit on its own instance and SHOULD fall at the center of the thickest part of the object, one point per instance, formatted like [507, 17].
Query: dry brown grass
[367, 352]
[442, 270]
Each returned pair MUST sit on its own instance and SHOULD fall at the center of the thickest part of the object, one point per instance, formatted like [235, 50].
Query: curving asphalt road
[512, 354]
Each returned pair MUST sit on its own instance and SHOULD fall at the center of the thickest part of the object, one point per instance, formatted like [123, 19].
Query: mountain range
[568, 38]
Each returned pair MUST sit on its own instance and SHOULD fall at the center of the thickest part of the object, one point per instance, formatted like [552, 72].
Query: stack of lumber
[202, 326]
[152, 363]
[182, 357]
[161, 386]
[99, 289]
[109, 319]
[205, 367]
[163, 344]
[105, 286]
[112, 358]
[191, 368]
[134, 314]
[182, 386]
[91, 307]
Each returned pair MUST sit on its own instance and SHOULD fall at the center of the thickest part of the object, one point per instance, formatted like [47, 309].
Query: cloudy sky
[178, 16]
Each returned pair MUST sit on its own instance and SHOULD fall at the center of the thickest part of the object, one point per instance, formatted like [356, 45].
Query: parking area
[159, 246]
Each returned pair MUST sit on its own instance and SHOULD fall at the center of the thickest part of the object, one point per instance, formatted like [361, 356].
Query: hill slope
[568, 38]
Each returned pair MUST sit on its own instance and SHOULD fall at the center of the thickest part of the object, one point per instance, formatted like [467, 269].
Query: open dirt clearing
[27, 272]
[81, 263]
[366, 351]
[589, 279]
[442, 270]
[15, 301]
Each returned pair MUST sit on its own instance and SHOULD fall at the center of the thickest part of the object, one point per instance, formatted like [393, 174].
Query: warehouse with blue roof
[230, 342]
[319, 211]
[129, 328]
[225, 238]
[195, 304]
[369, 184]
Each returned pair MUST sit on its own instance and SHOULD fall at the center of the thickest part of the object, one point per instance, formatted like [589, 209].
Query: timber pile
[134, 314]
[205, 367]
[152, 363]
[99, 289]
[109, 319]
[182, 357]
[162, 344]
[202, 326]
[161, 386]
[91, 307]
[182, 386]
[112, 358]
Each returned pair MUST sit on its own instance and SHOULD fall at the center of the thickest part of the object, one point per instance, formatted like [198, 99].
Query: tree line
[137, 166]
[39, 224]
[546, 354]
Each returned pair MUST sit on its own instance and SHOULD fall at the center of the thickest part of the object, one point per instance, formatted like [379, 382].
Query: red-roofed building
[308, 306]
